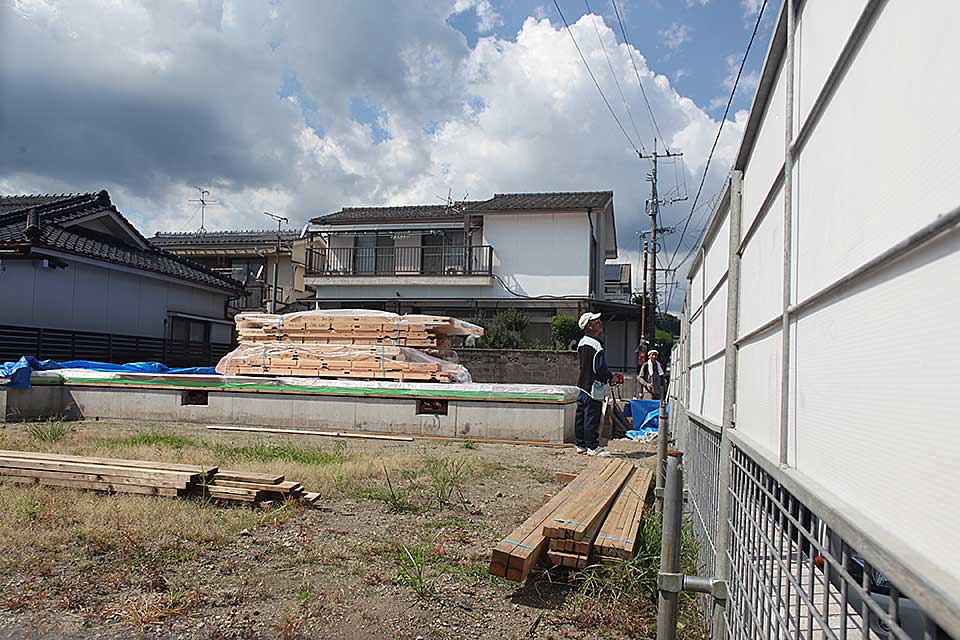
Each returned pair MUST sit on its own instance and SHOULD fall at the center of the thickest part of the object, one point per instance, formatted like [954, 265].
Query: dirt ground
[398, 546]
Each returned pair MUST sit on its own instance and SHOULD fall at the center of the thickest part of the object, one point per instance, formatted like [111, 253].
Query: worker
[651, 377]
[594, 377]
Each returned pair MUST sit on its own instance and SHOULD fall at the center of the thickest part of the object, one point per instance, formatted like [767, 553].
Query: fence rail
[401, 261]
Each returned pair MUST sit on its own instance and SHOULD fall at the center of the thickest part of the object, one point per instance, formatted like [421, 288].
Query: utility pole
[643, 300]
[276, 263]
[653, 209]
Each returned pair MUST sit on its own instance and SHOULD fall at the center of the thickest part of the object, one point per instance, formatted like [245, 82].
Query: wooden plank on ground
[246, 476]
[565, 478]
[305, 432]
[114, 462]
[101, 469]
[99, 486]
[284, 487]
[233, 493]
[574, 521]
[618, 536]
[94, 477]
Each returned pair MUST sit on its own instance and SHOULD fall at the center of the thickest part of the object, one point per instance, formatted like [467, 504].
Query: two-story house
[543, 253]
[254, 258]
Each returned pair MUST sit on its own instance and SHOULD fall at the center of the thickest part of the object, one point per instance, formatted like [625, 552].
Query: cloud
[258, 103]
[487, 17]
[751, 7]
[675, 36]
[749, 81]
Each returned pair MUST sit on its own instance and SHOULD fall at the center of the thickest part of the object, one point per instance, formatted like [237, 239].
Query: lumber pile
[352, 343]
[594, 518]
[147, 477]
[366, 362]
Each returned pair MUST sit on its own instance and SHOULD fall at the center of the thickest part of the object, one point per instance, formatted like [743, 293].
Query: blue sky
[301, 107]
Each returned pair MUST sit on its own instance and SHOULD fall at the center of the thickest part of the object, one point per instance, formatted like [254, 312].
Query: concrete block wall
[521, 366]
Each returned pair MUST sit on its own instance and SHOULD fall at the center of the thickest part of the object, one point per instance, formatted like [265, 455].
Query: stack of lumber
[147, 477]
[102, 474]
[353, 327]
[367, 362]
[241, 486]
[352, 343]
[606, 500]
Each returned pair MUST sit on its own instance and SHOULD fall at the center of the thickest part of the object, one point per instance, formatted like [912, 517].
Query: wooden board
[234, 493]
[618, 536]
[114, 462]
[307, 432]
[101, 469]
[565, 478]
[569, 560]
[112, 487]
[246, 476]
[93, 477]
[282, 488]
[577, 518]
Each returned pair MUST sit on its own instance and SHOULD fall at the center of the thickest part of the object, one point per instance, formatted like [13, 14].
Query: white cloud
[751, 7]
[747, 85]
[487, 17]
[675, 36]
[254, 102]
[702, 3]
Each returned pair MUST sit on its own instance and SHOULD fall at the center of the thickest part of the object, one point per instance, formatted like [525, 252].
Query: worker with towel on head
[651, 377]
[594, 377]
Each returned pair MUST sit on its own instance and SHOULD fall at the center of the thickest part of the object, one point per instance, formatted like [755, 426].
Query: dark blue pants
[587, 425]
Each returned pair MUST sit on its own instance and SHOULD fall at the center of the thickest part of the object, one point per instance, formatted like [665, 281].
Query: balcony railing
[401, 261]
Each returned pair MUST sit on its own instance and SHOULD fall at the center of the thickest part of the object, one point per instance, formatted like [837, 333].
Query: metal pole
[643, 309]
[670, 547]
[663, 435]
[787, 239]
[654, 207]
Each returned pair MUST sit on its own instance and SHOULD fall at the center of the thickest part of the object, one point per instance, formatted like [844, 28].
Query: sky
[301, 108]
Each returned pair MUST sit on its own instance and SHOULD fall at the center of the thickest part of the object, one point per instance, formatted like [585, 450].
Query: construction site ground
[398, 546]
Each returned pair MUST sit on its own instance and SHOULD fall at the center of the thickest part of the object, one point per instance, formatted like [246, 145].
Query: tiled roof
[557, 201]
[196, 238]
[56, 210]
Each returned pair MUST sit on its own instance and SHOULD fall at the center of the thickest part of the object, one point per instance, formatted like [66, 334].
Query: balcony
[400, 265]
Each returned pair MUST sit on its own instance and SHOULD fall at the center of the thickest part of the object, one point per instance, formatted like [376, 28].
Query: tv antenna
[204, 202]
[280, 220]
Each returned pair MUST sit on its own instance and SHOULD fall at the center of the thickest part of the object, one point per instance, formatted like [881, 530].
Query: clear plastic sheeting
[469, 391]
[440, 324]
[377, 362]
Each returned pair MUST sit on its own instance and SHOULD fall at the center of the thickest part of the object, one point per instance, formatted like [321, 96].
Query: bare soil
[77, 564]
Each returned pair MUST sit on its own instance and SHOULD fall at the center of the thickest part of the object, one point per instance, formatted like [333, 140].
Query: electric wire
[643, 92]
[723, 120]
[592, 77]
[613, 73]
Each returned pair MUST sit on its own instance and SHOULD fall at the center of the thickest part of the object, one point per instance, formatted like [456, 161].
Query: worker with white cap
[651, 376]
[594, 378]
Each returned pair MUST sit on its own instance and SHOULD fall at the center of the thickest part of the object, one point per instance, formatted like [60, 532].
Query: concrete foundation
[511, 418]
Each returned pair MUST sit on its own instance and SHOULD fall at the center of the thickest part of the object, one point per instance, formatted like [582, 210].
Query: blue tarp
[647, 410]
[19, 372]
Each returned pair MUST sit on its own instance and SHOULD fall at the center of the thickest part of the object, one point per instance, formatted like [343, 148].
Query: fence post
[667, 601]
[663, 435]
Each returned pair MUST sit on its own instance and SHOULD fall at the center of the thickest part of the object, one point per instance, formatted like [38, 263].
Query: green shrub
[563, 331]
[506, 330]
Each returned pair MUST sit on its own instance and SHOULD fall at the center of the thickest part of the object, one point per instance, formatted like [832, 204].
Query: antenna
[204, 202]
[276, 265]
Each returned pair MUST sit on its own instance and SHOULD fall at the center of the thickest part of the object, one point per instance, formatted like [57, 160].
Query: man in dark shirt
[593, 380]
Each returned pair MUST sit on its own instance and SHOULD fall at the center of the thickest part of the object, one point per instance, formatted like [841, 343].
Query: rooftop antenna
[279, 220]
[204, 202]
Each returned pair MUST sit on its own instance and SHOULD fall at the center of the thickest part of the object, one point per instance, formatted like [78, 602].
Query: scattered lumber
[617, 538]
[565, 478]
[147, 477]
[594, 518]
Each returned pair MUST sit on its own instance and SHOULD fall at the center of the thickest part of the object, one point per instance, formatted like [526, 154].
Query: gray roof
[221, 238]
[555, 201]
[55, 211]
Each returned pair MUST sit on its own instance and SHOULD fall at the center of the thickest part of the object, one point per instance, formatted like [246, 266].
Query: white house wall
[84, 297]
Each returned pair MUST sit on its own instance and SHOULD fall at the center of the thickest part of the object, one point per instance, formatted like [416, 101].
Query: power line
[626, 40]
[723, 119]
[614, 75]
[592, 77]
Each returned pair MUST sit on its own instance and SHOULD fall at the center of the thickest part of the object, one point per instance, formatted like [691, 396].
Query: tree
[564, 331]
[506, 330]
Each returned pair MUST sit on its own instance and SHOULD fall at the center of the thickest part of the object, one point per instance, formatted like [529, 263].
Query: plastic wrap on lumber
[444, 325]
[377, 362]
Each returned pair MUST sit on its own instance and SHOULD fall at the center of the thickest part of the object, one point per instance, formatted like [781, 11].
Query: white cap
[587, 318]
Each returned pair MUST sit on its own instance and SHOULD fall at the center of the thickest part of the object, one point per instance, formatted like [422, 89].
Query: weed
[50, 431]
[469, 445]
[155, 439]
[282, 453]
[447, 477]
[412, 569]
[397, 499]
[305, 596]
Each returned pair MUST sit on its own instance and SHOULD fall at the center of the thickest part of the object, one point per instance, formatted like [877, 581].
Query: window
[189, 330]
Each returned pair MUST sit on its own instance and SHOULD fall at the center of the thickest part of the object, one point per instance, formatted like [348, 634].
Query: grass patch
[317, 456]
[447, 477]
[156, 439]
[50, 431]
[623, 596]
[469, 445]
[398, 499]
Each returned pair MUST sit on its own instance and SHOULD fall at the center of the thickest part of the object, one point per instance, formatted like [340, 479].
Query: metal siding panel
[696, 289]
[713, 393]
[761, 272]
[716, 323]
[696, 388]
[718, 252]
[767, 156]
[758, 392]
[696, 340]
[854, 197]
[880, 431]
